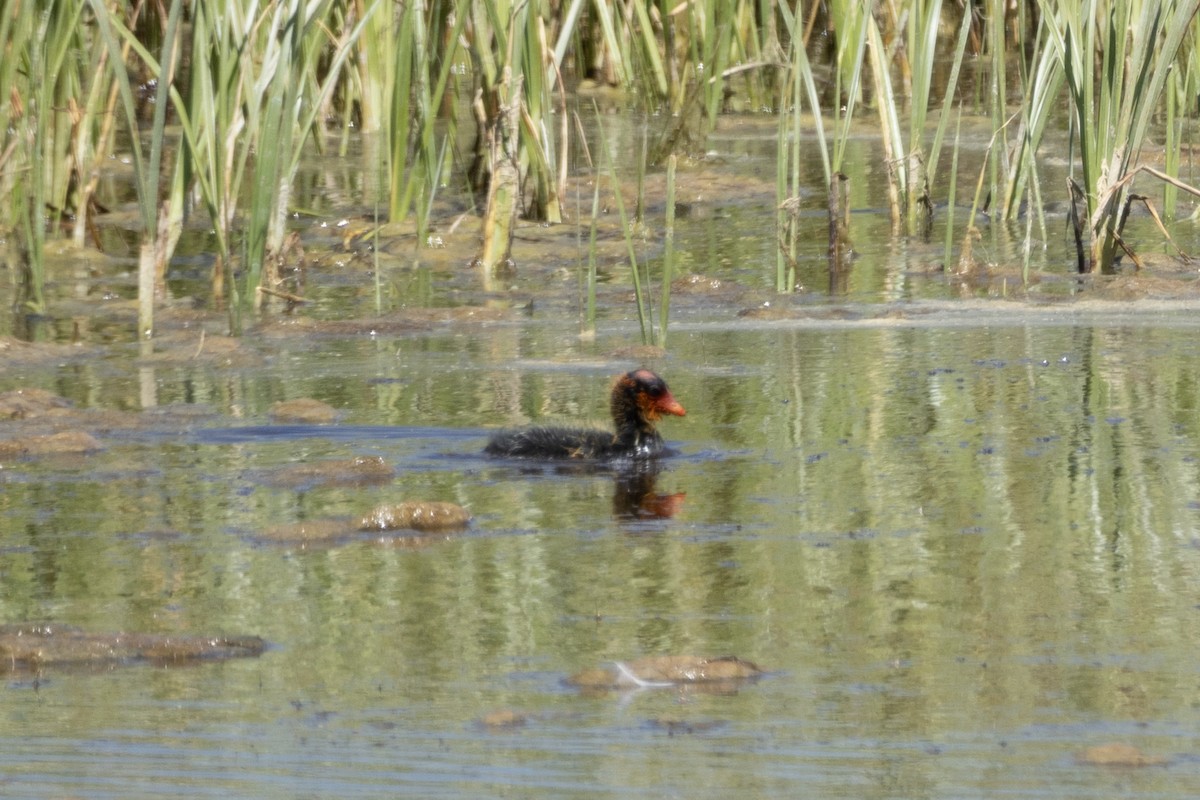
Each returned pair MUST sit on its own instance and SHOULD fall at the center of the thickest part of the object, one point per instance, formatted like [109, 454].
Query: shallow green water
[965, 546]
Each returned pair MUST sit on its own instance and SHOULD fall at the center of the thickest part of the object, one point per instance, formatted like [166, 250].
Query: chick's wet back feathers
[639, 399]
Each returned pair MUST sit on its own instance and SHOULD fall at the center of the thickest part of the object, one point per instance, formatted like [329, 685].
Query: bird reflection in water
[634, 495]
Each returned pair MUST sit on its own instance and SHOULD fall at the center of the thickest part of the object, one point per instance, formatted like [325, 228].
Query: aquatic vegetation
[1113, 103]
[214, 112]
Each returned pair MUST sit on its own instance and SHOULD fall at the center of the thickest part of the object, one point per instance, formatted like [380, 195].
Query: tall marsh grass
[1113, 103]
[237, 92]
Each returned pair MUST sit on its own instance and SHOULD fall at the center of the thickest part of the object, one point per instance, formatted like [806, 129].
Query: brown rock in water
[304, 410]
[29, 403]
[1118, 754]
[503, 719]
[701, 284]
[63, 443]
[16, 351]
[189, 347]
[357, 471]
[311, 532]
[416, 516]
[677, 727]
[36, 645]
[667, 671]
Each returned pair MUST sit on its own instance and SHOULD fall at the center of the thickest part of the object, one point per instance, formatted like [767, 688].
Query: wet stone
[683, 727]
[703, 284]
[62, 443]
[29, 403]
[184, 347]
[310, 532]
[16, 351]
[663, 671]
[303, 410]
[503, 719]
[1118, 754]
[35, 645]
[357, 471]
[416, 516]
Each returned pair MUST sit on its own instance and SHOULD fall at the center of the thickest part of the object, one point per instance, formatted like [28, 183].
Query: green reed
[159, 225]
[998, 96]
[32, 130]
[640, 287]
[952, 194]
[285, 101]
[793, 91]
[46, 77]
[889, 121]
[519, 147]
[589, 315]
[1112, 106]
[264, 82]
[668, 268]
[922, 37]
[419, 79]
[1042, 86]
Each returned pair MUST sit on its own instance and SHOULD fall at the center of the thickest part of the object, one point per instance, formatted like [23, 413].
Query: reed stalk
[1112, 107]
[960, 50]
[284, 99]
[798, 85]
[785, 223]
[668, 270]
[43, 126]
[922, 35]
[889, 121]
[264, 80]
[998, 99]
[1042, 90]
[160, 224]
[504, 185]
[640, 292]
[35, 123]
[589, 315]
[952, 193]
[1173, 127]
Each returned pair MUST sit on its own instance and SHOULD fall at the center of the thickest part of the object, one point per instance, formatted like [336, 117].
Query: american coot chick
[639, 399]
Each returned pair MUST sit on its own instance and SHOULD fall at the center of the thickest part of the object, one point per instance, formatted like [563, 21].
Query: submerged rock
[410, 524]
[303, 410]
[662, 671]
[188, 346]
[63, 443]
[678, 727]
[417, 515]
[1118, 754]
[310, 532]
[35, 645]
[29, 403]
[503, 719]
[703, 284]
[357, 471]
[17, 351]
